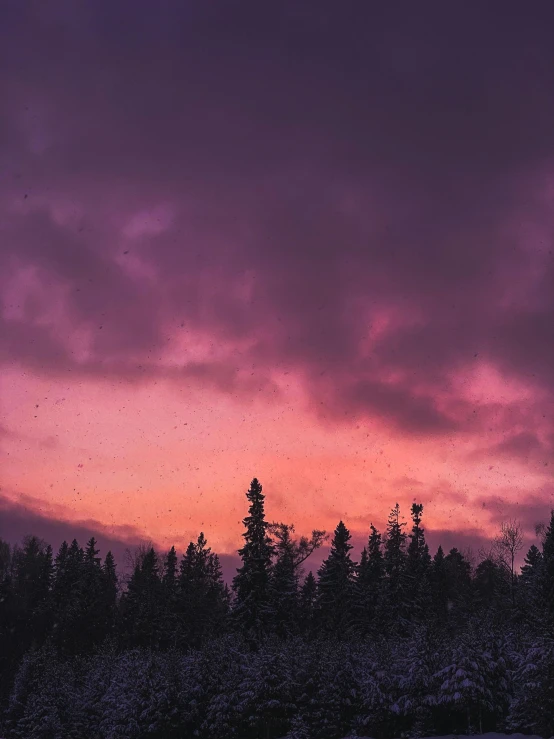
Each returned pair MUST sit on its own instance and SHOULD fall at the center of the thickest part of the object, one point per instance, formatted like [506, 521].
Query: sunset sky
[310, 242]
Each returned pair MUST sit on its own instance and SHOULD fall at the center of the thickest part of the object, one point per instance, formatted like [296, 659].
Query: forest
[402, 643]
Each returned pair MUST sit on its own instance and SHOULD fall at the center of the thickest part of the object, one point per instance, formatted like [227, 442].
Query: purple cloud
[310, 173]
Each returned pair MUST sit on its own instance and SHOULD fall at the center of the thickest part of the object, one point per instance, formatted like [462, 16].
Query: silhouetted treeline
[399, 643]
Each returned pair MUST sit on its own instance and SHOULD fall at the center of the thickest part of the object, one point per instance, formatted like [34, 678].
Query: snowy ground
[490, 735]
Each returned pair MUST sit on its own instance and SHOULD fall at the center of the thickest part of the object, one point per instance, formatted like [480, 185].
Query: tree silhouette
[251, 583]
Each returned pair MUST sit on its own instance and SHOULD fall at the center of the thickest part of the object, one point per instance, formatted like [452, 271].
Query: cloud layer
[350, 206]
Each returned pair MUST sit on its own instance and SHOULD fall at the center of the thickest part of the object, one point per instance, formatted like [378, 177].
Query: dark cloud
[19, 519]
[524, 447]
[326, 167]
[530, 511]
[521, 445]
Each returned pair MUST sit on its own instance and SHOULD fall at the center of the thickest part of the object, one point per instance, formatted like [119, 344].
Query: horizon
[474, 550]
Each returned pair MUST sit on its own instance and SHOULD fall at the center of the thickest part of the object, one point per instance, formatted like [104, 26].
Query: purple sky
[307, 241]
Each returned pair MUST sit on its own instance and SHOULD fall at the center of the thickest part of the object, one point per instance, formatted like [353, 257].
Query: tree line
[400, 643]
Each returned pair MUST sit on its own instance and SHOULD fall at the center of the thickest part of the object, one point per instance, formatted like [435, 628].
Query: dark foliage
[400, 643]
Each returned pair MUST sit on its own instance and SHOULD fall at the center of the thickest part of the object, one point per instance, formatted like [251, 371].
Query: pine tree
[439, 587]
[202, 598]
[548, 571]
[418, 687]
[91, 608]
[530, 587]
[492, 588]
[170, 571]
[465, 688]
[41, 695]
[458, 579]
[369, 586]
[31, 584]
[218, 596]
[418, 591]
[141, 604]
[283, 588]
[169, 618]
[336, 585]
[395, 566]
[532, 709]
[308, 597]
[68, 595]
[251, 583]
[109, 593]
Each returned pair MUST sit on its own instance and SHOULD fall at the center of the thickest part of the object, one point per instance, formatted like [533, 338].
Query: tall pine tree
[251, 583]
[395, 566]
[336, 585]
[418, 562]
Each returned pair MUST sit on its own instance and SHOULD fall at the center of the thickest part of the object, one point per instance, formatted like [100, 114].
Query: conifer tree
[170, 628]
[218, 596]
[251, 583]
[532, 708]
[109, 595]
[548, 570]
[202, 597]
[458, 578]
[418, 561]
[141, 604]
[308, 596]
[5, 559]
[32, 574]
[92, 607]
[492, 588]
[170, 571]
[395, 564]
[284, 582]
[439, 587]
[529, 588]
[336, 584]
[375, 560]
[369, 586]
[69, 593]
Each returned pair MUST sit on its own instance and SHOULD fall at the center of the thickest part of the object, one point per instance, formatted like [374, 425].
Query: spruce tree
[141, 604]
[491, 586]
[69, 594]
[169, 620]
[369, 585]
[439, 587]
[92, 608]
[31, 584]
[308, 596]
[170, 571]
[375, 560]
[529, 588]
[548, 571]
[395, 566]
[336, 585]
[251, 583]
[201, 597]
[284, 582]
[218, 596]
[418, 561]
[109, 593]
[458, 573]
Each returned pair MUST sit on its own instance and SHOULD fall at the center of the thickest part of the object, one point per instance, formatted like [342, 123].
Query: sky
[310, 242]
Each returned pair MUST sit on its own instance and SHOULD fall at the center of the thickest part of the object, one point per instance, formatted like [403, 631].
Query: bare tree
[540, 531]
[301, 548]
[507, 544]
[134, 557]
